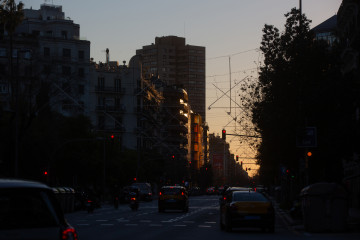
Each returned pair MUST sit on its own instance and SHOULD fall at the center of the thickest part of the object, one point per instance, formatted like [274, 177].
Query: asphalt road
[201, 222]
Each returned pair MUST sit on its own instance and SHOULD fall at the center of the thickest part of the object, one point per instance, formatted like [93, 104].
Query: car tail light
[69, 234]
[133, 199]
[160, 193]
[182, 194]
[224, 198]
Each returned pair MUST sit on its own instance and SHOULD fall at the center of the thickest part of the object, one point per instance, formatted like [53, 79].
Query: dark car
[174, 198]
[226, 191]
[145, 191]
[30, 210]
[246, 209]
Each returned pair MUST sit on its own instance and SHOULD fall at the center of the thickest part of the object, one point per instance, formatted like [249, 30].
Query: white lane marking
[204, 226]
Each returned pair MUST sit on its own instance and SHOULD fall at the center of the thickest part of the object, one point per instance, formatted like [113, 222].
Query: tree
[11, 15]
[299, 86]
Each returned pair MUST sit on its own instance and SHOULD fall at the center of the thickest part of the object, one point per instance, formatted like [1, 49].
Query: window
[101, 83]
[81, 89]
[48, 34]
[66, 70]
[46, 52]
[47, 69]
[64, 34]
[36, 33]
[81, 55]
[26, 209]
[66, 52]
[2, 52]
[81, 72]
[117, 84]
[101, 122]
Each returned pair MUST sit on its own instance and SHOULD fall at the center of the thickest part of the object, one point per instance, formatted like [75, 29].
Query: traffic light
[237, 158]
[45, 173]
[112, 138]
[223, 134]
[309, 154]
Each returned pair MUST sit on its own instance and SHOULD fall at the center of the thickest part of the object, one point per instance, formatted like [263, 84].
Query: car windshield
[26, 209]
[248, 197]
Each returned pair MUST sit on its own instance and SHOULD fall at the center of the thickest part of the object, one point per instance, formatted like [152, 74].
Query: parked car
[145, 191]
[30, 210]
[246, 209]
[173, 197]
[210, 191]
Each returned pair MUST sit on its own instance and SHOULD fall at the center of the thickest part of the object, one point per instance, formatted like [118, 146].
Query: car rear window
[171, 191]
[248, 197]
[26, 209]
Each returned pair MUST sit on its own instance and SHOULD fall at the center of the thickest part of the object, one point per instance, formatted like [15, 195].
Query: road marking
[131, 224]
[210, 222]
[204, 226]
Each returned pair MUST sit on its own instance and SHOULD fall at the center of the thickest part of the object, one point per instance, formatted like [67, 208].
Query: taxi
[247, 209]
[173, 198]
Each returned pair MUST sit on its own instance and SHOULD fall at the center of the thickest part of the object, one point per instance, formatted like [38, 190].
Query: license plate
[251, 217]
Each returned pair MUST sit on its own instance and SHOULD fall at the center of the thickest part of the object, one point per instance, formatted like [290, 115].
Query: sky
[231, 31]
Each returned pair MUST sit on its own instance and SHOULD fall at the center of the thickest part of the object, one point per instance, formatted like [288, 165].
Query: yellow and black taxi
[173, 198]
[246, 209]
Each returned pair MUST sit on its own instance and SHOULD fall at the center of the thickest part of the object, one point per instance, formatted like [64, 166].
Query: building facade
[176, 62]
[48, 46]
[125, 105]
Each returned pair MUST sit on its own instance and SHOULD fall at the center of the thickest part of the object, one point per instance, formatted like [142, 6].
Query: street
[201, 222]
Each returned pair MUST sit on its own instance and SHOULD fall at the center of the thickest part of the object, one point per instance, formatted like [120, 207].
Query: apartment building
[176, 62]
[47, 46]
[124, 105]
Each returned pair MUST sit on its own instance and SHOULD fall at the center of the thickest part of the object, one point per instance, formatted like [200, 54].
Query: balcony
[109, 90]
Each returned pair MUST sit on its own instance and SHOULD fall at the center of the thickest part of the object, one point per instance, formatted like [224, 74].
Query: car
[174, 198]
[210, 191]
[30, 210]
[145, 191]
[227, 190]
[248, 209]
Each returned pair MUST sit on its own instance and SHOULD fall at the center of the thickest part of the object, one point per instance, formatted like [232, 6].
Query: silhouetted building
[178, 63]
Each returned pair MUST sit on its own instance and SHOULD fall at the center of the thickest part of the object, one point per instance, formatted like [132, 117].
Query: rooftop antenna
[107, 57]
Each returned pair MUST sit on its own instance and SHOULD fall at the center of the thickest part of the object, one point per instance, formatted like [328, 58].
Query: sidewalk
[353, 221]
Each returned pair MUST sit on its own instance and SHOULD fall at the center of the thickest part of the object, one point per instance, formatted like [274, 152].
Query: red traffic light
[112, 136]
[45, 173]
[309, 154]
[223, 136]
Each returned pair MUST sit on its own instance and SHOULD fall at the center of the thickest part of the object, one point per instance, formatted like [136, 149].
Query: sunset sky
[226, 28]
